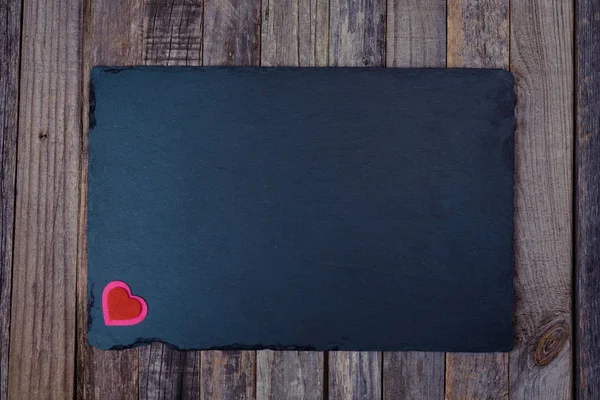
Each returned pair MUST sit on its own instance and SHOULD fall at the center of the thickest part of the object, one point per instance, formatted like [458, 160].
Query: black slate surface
[354, 209]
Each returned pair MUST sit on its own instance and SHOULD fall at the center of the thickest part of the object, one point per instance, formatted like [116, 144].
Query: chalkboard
[301, 208]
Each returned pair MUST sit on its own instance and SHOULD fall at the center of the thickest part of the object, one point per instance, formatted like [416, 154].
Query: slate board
[315, 208]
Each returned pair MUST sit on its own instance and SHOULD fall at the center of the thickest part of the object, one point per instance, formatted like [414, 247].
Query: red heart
[120, 307]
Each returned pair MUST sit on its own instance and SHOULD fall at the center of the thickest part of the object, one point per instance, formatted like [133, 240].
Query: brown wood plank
[231, 37]
[284, 375]
[42, 337]
[541, 52]
[10, 45]
[478, 37]
[357, 33]
[356, 38]
[588, 195]
[354, 375]
[294, 33]
[416, 32]
[172, 35]
[413, 375]
[112, 37]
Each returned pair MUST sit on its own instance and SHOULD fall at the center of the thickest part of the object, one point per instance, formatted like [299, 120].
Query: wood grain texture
[478, 37]
[480, 376]
[232, 32]
[354, 375]
[112, 36]
[413, 375]
[294, 33]
[416, 37]
[172, 35]
[284, 375]
[357, 33]
[172, 32]
[478, 33]
[228, 375]
[42, 337]
[231, 37]
[356, 38]
[10, 45]
[541, 59]
[165, 373]
[416, 33]
[587, 196]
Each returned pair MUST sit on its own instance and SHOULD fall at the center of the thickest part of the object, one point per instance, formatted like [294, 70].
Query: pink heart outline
[122, 322]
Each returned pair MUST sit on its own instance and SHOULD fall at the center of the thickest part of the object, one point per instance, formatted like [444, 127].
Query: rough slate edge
[10, 41]
[587, 193]
[478, 36]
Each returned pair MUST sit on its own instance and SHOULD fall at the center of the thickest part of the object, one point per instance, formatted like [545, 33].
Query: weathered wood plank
[42, 341]
[231, 32]
[172, 35]
[231, 37]
[541, 53]
[165, 373]
[478, 37]
[354, 375]
[10, 45]
[413, 375]
[294, 33]
[228, 375]
[477, 376]
[416, 38]
[588, 194]
[356, 38]
[284, 375]
[357, 33]
[112, 37]
[416, 33]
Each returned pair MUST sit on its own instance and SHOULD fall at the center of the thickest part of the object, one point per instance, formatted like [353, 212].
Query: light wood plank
[10, 45]
[413, 375]
[294, 33]
[478, 37]
[172, 35]
[416, 33]
[356, 38]
[416, 37]
[541, 53]
[42, 341]
[357, 33]
[588, 195]
[112, 37]
[231, 37]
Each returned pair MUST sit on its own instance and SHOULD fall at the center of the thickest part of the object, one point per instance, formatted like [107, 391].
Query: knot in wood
[551, 343]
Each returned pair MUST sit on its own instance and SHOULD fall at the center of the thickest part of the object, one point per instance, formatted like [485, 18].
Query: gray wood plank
[112, 37]
[42, 337]
[294, 33]
[10, 45]
[231, 37]
[587, 195]
[416, 33]
[541, 52]
[356, 38]
[478, 37]
[357, 33]
[172, 35]
[413, 375]
[284, 375]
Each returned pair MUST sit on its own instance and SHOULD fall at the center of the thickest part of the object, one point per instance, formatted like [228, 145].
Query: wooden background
[46, 50]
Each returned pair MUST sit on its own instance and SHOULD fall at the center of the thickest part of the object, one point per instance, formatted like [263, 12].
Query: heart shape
[120, 307]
